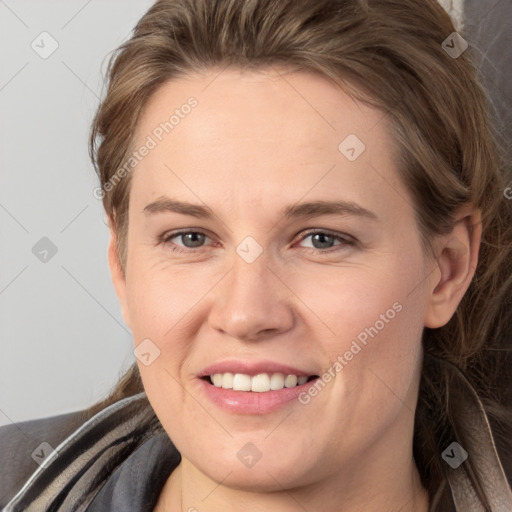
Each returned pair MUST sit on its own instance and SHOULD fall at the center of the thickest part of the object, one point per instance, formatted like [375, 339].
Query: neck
[189, 490]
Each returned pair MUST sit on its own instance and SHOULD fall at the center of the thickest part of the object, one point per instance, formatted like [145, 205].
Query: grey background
[63, 343]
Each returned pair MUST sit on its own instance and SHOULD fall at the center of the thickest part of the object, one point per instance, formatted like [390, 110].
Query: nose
[252, 302]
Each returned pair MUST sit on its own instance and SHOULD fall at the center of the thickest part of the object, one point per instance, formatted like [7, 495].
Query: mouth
[260, 383]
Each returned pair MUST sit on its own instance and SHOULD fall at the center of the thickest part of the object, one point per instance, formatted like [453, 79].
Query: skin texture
[255, 143]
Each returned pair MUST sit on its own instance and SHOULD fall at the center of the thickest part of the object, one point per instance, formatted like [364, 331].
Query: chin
[264, 477]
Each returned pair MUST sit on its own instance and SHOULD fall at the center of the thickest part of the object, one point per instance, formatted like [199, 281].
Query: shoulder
[25, 445]
[62, 462]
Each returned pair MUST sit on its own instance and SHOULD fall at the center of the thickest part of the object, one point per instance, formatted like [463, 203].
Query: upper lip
[252, 367]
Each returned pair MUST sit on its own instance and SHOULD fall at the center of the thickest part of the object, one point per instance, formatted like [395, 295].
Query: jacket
[115, 461]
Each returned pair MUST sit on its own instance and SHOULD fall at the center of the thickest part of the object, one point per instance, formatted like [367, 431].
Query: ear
[117, 274]
[455, 267]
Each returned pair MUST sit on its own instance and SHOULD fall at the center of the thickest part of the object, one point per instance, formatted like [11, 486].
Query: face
[254, 282]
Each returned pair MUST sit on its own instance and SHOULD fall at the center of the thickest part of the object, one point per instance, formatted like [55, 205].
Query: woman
[311, 245]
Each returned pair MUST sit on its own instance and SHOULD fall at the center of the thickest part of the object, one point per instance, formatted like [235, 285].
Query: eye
[191, 239]
[322, 240]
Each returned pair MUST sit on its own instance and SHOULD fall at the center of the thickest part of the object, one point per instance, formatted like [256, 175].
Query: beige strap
[482, 454]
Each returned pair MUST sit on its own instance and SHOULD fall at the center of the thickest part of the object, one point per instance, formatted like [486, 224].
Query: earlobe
[456, 264]
[118, 276]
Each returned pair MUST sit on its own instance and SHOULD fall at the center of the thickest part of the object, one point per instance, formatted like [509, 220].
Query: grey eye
[191, 239]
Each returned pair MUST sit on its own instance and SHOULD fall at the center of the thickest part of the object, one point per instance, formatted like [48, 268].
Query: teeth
[241, 382]
[259, 383]
[277, 381]
[226, 380]
[290, 381]
[217, 379]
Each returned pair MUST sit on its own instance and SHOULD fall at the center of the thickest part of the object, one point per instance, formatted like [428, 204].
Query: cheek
[375, 356]
[168, 305]
[373, 314]
[160, 297]
[362, 304]
[161, 305]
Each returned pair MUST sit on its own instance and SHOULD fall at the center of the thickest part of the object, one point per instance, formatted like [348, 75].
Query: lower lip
[250, 402]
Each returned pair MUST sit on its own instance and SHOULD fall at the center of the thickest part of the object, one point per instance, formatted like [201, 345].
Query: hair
[387, 53]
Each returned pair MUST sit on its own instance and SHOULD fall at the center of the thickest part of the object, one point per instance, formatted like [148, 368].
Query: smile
[261, 383]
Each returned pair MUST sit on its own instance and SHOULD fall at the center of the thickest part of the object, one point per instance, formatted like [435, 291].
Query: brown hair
[389, 54]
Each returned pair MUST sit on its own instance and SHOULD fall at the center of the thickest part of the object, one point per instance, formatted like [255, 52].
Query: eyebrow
[302, 210]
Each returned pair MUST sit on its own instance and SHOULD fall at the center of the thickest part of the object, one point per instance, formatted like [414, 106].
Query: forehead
[264, 135]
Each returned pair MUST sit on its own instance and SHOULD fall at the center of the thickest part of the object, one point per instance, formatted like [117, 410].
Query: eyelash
[346, 240]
